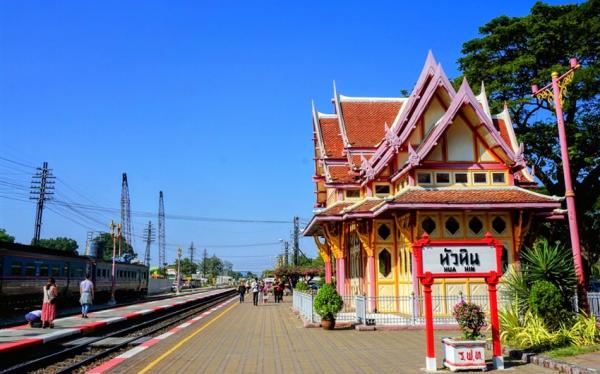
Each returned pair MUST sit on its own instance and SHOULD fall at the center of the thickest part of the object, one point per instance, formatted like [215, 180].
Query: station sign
[465, 259]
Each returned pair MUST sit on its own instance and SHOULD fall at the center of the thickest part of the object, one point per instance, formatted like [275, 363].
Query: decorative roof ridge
[326, 115]
[335, 204]
[356, 204]
[366, 99]
[338, 110]
[439, 79]
[464, 96]
[318, 131]
[483, 100]
[505, 116]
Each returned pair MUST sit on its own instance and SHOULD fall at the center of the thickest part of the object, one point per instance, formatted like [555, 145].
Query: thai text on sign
[459, 259]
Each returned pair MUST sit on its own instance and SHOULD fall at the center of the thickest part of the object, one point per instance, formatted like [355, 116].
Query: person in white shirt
[255, 291]
[86, 290]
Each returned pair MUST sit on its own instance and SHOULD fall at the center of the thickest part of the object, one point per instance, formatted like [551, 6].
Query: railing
[303, 303]
[593, 301]
[396, 310]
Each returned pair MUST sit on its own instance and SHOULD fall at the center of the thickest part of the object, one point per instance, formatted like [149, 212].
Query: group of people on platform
[50, 296]
[261, 291]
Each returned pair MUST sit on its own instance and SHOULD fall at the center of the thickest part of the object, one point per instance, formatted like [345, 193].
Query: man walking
[242, 291]
[255, 290]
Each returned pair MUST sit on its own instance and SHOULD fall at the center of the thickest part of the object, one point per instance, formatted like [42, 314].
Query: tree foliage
[104, 245]
[4, 237]
[59, 244]
[515, 52]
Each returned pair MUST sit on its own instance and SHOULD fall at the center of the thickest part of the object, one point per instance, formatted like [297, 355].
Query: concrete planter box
[464, 354]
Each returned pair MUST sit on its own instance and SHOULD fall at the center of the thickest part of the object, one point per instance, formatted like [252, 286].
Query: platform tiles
[242, 338]
[18, 337]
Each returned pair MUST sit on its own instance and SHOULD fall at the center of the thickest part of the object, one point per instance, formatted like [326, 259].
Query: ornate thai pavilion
[389, 169]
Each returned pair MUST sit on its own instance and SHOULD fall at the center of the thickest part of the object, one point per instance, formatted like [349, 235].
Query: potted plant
[327, 304]
[467, 352]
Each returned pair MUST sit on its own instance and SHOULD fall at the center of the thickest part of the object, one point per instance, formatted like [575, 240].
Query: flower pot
[464, 354]
[328, 324]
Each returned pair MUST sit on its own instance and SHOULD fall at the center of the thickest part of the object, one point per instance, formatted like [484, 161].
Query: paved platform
[19, 337]
[242, 338]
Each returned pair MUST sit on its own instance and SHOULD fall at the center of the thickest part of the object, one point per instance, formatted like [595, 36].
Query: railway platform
[19, 337]
[269, 338]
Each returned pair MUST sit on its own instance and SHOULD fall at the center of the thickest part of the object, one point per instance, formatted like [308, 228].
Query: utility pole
[192, 252]
[204, 259]
[126, 212]
[42, 187]
[149, 238]
[115, 232]
[162, 263]
[553, 93]
[296, 243]
[178, 270]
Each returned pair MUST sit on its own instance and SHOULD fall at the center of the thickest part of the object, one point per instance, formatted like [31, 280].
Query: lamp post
[178, 270]
[115, 231]
[554, 93]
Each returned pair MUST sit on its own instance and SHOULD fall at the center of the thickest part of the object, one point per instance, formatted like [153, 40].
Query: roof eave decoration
[317, 126]
[338, 110]
[482, 98]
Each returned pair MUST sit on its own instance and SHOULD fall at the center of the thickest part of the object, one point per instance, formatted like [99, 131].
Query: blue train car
[25, 269]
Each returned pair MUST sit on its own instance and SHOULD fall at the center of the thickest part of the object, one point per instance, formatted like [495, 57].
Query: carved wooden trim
[365, 235]
[324, 249]
[333, 236]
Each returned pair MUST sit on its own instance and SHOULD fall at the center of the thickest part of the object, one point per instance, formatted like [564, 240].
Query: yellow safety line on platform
[162, 357]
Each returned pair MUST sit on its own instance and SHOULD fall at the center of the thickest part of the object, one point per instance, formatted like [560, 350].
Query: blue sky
[206, 101]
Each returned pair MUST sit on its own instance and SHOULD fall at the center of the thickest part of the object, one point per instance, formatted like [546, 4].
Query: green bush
[328, 303]
[542, 262]
[546, 301]
[301, 286]
[584, 331]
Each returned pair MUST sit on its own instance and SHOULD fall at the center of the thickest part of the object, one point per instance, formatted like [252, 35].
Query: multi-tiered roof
[371, 139]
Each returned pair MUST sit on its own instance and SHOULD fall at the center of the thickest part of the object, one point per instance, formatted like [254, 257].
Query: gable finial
[520, 156]
[391, 138]
[413, 156]
[533, 170]
[334, 90]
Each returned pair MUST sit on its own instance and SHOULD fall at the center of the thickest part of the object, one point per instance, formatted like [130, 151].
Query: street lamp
[178, 270]
[553, 93]
[115, 231]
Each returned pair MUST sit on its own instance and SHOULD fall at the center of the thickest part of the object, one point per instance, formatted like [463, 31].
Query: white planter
[464, 354]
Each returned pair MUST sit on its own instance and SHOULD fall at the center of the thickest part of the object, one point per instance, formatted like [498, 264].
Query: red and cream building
[389, 169]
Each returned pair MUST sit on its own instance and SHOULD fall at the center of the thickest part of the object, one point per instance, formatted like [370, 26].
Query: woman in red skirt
[49, 305]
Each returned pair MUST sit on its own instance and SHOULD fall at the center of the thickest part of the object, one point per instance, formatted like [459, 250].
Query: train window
[97, 273]
[79, 273]
[43, 270]
[104, 273]
[16, 267]
[30, 269]
[55, 270]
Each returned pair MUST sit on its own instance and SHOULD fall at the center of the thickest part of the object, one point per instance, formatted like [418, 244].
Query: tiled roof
[512, 195]
[364, 206]
[334, 147]
[341, 174]
[334, 210]
[364, 120]
[501, 126]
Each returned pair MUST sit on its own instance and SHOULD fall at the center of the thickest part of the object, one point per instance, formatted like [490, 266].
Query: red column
[328, 272]
[430, 362]
[498, 359]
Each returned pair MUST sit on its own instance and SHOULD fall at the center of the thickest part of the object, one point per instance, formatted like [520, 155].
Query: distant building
[389, 169]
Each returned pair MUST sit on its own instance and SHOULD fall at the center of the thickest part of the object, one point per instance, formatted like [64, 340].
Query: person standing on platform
[242, 291]
[254, 288]
[261, 294]
[49, 305]
[86, 290]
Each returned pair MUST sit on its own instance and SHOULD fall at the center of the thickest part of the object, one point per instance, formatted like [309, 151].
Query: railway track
[82, 354]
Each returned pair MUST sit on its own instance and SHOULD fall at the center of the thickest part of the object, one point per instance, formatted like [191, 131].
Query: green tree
[187, 267]
[4, 237]
[59, 244]
[515, 52]
[104, 245]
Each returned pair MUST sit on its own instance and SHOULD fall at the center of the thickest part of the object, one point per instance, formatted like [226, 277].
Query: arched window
[385, 263]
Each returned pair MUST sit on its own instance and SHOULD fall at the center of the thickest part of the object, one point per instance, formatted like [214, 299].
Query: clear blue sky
[207, 101]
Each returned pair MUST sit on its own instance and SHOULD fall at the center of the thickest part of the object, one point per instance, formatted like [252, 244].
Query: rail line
[71, 359]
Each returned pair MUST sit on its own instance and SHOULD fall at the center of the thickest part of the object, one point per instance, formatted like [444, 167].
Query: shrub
[546, 301]
[470, 318]
[301, 286]
[584, 331]
[534, 334]
[510, 324]
[328, 303]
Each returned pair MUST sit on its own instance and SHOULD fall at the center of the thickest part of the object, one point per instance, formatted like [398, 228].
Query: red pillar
[372, 275]
[328, 272]
[497, 359]
[430, 362]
